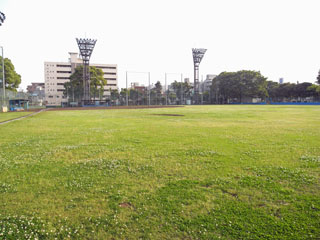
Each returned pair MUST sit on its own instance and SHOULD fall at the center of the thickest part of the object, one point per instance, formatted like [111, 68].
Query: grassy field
[217, 172]
[11, 115]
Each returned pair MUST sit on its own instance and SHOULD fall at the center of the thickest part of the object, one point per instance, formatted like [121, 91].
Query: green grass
[218, 172]
[11, 115]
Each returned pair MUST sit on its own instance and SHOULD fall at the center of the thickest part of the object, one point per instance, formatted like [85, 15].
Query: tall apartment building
[57, 73]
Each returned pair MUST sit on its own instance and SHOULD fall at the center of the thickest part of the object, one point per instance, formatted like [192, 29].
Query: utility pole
[2, 18]
[165, 79]
[3, 80]
[181, 100]
[127, 88]
[149, 88]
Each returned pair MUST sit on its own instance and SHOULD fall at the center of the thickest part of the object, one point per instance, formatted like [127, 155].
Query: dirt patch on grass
[125, 205]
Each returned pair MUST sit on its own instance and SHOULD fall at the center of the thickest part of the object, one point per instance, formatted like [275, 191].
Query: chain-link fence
[7, 99]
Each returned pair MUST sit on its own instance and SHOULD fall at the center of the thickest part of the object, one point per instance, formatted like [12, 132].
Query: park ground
[198, 172]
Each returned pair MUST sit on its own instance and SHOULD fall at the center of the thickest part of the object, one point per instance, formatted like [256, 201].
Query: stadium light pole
[2, 18]
[197, 54]
[86, 47]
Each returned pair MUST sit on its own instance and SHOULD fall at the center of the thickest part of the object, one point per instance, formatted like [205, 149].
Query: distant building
[58, 73]
[281, 81]
[36, 93]
[134, 84]
[35, 86]
[207, 83]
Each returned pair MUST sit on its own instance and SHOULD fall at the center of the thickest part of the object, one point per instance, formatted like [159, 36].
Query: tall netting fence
[142, 88]
[138, 89]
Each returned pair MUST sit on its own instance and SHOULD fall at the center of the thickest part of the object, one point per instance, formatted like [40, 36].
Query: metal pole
[201, 89]
[166, 88]
[127, 88]
[3, 79]
[181, 101]
[149, 88]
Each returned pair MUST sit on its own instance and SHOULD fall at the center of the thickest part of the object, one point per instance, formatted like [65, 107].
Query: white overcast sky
[280, 38]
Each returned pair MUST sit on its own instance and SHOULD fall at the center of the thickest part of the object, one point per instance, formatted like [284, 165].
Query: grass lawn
[217, 172]
[11, 115]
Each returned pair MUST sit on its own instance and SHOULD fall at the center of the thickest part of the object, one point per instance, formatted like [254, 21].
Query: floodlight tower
[2, 18]
[198, 54]
[86, 47]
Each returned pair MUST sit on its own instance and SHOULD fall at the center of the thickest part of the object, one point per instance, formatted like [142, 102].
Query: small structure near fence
[14, 101]
[18, 104]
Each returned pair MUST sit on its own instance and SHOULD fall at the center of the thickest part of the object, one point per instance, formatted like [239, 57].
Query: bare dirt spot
[169, 115]
[230, 193]
[125, 205]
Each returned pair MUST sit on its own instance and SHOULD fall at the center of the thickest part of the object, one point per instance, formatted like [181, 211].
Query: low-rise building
[36, 93]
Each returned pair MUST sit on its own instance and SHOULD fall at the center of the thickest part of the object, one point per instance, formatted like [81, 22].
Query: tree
[123, 95]
[157, 93]
[158, 87]
[12, 78]
[97, 81]
[74, 88]
[272, 89]
[182, 90]
[235, 86]
[301, 90]
[114, 94]
[314, 91]
[318, 78]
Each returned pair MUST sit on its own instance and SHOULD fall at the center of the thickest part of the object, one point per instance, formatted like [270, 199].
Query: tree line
[228, 87]
[243, 86]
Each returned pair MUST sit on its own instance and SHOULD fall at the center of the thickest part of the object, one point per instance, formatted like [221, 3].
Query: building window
[106, 67]
[60, 65]
[63, 71]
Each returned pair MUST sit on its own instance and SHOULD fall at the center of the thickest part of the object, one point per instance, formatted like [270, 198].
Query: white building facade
[57, 73]
[205, 86]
